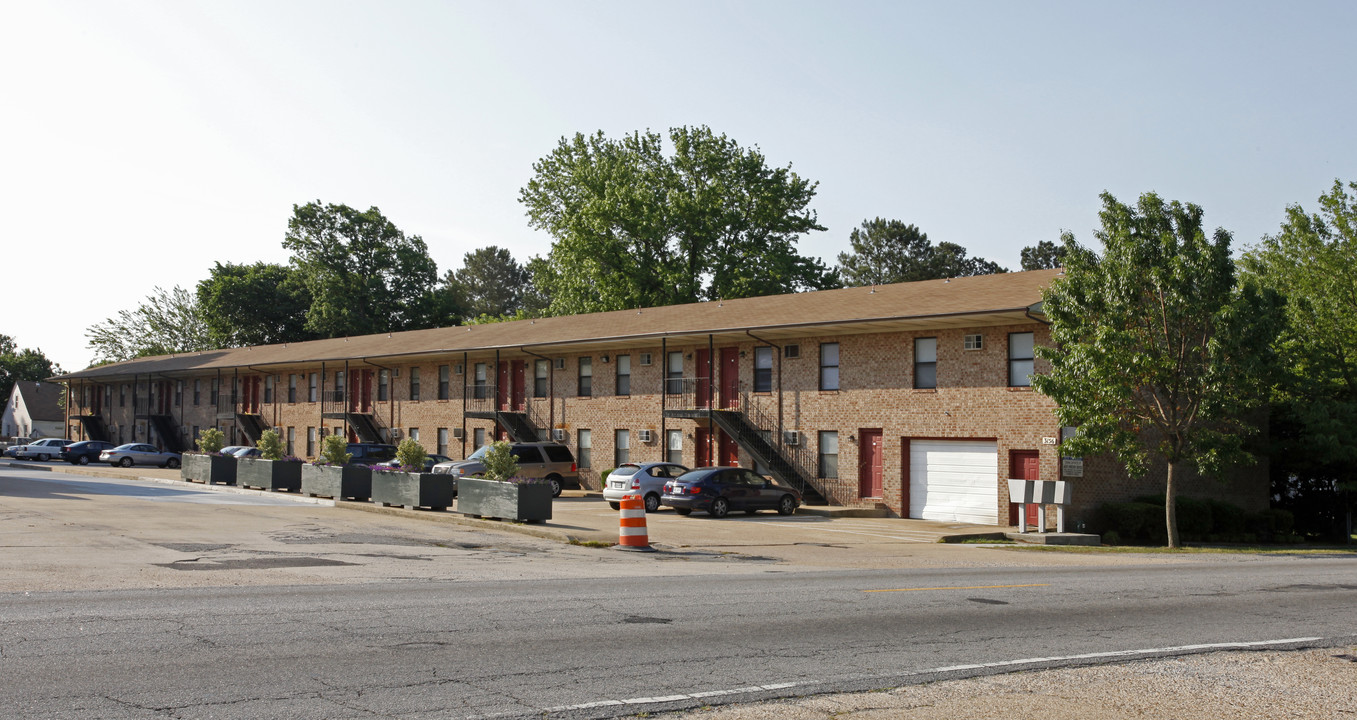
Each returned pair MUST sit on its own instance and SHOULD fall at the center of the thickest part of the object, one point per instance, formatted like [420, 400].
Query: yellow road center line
[967, 587]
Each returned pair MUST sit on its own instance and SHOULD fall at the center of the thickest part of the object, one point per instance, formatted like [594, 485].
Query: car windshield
[693, 476]
[480, 453]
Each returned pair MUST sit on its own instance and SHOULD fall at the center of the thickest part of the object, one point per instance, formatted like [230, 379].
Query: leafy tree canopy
[635, 227]
[1045, 255]
[363, 273]
[257, 304]
[1155, 348]
[166, 322]
[491, 283]
[1313, 262]
[27, 364]
[890, 251]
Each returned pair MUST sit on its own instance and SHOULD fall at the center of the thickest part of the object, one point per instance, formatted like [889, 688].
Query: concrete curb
[545, 530]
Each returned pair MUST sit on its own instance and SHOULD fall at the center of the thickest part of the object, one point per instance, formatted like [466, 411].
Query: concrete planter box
[337, 481]
[520, 502]
[412, 490]
[208, 469]
[269, 474]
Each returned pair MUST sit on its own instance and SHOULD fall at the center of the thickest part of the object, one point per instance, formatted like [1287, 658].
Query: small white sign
[1048, 441]
[1072, 467]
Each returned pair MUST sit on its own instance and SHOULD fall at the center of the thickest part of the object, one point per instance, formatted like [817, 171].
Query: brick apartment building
[914, 396]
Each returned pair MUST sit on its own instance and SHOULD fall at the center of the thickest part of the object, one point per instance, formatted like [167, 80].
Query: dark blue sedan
[84, 452]
[718, 490]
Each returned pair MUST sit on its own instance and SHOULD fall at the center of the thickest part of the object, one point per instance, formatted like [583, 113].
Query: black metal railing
[688, 393]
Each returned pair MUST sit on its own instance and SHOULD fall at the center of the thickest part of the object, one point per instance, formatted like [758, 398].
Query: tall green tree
[890, 251]
[635, 227]
[1313, 262]
[257, 304]
[490, 282]
[363, 273]
[168, 321]
[1156, 350]
[1045, 255]
[25, 364]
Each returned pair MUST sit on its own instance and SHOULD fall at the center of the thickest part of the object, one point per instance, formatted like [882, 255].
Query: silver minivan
[549, 460]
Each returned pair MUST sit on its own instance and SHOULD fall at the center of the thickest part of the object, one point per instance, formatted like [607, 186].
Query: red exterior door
[730, 377]
[730, 452]
[360, 391]
[502, 387]
[518, 385]
[702, 442]
[249, 401]
[1023, 465]
[869, 464]
[703, 386]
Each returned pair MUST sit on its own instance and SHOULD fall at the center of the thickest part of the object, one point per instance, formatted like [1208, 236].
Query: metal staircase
[252, 425]
[748, 436]
[517, 424]
[168, 431]
[95, 428]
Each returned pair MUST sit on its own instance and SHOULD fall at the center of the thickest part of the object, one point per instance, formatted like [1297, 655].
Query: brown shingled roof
[1007, 293]
[42, 399]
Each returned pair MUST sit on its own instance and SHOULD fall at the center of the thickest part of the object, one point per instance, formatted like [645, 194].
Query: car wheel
[720, 507]
[43, 457]
[615, 506]
[125, 462]
[555, 485]
[172, 464]
[83, 460]
[652, 502]
[684, 511]
[787, 505]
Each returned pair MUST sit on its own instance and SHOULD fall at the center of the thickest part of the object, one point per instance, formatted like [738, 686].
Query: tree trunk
[1170, 505]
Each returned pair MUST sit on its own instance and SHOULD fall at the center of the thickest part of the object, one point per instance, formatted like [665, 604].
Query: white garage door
[954, 481]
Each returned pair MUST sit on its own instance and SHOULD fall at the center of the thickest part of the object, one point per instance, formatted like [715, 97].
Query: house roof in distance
[970, 301]
[41, 399]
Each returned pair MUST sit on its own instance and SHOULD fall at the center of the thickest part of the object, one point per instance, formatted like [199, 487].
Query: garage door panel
[954, 481]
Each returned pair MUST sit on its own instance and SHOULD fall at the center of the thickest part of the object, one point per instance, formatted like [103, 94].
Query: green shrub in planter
[270, 445]
[334, 450]
[410, 454]
[211, 440]
[500, 462]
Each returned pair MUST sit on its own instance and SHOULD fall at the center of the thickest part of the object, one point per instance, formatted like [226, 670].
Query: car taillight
[635, 484]
[694, 489]
[574, 468]
[669, 487]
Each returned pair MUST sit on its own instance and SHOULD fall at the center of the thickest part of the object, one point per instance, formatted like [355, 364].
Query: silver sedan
[139, 454]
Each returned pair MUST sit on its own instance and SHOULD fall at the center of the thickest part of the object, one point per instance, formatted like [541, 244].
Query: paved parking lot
[815, 537]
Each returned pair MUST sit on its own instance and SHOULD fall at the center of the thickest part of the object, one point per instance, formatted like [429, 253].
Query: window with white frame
[444, 382]
[763, 369]
[621, 447]
[673, 446]
[540, 378]
[925, 362]
[828, 467]
[829, 366]
[480, 380]
[414, 383]
[1021, 358]
[442, 441]
[584, 446]
[623, 365]
[586, 386]
[974, 342]
[673, 374]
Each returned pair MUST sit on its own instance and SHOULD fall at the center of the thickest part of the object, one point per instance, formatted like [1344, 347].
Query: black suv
[370, 453]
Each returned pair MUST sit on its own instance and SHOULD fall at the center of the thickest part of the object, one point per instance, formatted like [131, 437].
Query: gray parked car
[644, 479]
[552, 461]
[139, 454]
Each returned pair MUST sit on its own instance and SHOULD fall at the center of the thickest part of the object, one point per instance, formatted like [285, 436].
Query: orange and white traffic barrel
[631, 534]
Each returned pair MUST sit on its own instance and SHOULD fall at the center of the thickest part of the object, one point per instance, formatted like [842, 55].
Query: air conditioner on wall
[645, 358]
[560, 363]
[645, 436]
[458, 433]
[791, 437]
[558, 434]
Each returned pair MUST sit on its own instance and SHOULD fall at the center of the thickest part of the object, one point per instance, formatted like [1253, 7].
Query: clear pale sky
[140, 142]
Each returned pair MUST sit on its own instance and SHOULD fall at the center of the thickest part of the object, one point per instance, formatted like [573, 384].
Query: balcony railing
[688, 393]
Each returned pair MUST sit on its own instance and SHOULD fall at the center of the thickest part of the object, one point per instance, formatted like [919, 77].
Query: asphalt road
[575, 632]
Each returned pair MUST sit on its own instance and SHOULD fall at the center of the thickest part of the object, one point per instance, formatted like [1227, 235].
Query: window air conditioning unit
[395, 433]
[458, 433]
[791, 437]
[791, 351]
[645, 358]
[644, 435]
[457, 369]
[560, 363]
[558, 434]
